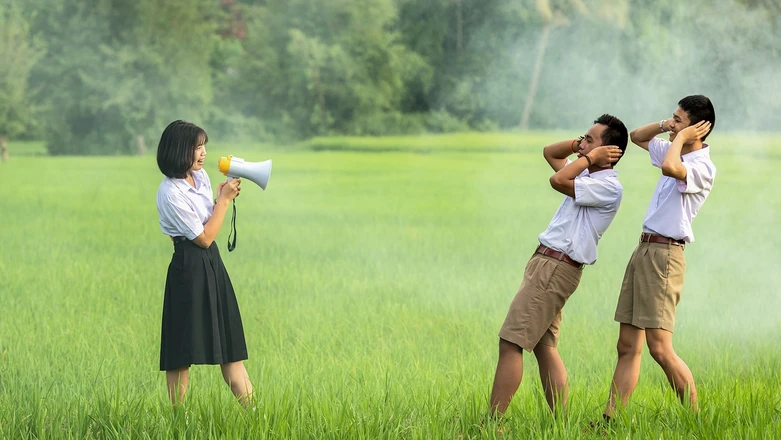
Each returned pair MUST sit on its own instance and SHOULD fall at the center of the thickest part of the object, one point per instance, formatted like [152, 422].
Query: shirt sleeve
[598, 193]
[657, 149]
[699, 177]
[176, 210]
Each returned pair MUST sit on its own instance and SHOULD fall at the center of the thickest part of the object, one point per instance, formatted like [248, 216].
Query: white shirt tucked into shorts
[579, 223]
[675, 203]
[183, 209]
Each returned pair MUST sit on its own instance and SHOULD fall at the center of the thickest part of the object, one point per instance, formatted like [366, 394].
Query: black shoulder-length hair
[176, 147]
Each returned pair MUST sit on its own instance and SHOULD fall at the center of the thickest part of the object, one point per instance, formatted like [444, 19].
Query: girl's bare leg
[177, 381]
[236, 377]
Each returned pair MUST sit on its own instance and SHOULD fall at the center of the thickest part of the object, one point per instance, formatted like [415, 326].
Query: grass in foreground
[372, 287]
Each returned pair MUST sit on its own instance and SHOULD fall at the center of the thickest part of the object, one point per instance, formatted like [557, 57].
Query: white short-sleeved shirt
[183, 209]
[675, 203]
[579, 223]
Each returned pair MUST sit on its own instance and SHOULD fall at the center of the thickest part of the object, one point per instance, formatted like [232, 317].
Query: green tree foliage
[116, 72]
[119, 70]
[20, 50]
[317, 66]
[154, 66]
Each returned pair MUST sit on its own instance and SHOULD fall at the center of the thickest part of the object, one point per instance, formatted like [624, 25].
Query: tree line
[106, 76]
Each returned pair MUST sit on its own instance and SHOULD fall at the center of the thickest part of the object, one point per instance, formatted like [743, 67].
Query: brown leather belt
[548, 252]
[656, 238]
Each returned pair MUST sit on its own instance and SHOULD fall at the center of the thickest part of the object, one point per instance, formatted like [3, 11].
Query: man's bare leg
[509, 371]
[630, 350]
[177, 381]
[660, 344]
[553, 376]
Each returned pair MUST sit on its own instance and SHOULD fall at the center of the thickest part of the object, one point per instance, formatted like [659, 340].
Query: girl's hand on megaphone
[230, 190]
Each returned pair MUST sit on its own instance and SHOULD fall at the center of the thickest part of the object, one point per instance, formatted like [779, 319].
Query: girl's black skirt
[201, 320]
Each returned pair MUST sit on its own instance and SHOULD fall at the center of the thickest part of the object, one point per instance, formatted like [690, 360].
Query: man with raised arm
[592, 197]
[654, 275]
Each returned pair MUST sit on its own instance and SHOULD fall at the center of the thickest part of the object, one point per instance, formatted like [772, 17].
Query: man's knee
[660, 345]
[542, 350]
[661, 352]
[629, 347]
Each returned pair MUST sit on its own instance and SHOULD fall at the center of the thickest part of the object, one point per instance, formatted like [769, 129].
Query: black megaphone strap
[232, 245]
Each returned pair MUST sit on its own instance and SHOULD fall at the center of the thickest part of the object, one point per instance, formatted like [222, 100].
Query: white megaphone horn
[258, 172]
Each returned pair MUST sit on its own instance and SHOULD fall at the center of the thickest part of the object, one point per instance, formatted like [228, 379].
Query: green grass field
[373, 276]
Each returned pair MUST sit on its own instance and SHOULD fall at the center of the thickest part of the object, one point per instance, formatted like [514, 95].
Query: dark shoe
[599, 426]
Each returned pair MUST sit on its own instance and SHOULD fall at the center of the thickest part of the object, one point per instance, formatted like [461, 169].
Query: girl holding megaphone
[201, 319]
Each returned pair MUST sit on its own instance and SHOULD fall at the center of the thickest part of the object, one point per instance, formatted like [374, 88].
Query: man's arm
[557, 154]
[643, 135]
[672, 165]
[563, 180]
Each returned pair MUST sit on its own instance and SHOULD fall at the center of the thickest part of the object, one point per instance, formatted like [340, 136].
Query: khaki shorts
[535, 313]
[652, 286]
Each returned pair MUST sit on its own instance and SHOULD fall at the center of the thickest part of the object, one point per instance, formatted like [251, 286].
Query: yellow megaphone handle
[224, 164]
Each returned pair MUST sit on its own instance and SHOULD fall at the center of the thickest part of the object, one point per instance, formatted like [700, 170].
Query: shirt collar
[604, 174]
[702, 152]
[184, 186]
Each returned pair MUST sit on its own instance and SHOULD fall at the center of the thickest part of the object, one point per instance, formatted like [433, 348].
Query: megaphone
[257, 172]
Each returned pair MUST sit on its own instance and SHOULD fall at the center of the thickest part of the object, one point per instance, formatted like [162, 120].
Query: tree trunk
[535, 79]
[319, 96]
[459, 27]
[140, 145]
[4, 148]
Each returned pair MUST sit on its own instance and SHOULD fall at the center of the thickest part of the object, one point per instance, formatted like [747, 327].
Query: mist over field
[104, 77]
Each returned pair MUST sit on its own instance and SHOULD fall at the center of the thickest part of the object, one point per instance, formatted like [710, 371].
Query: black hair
[699, 108]
[176, 147]
[615, 132]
